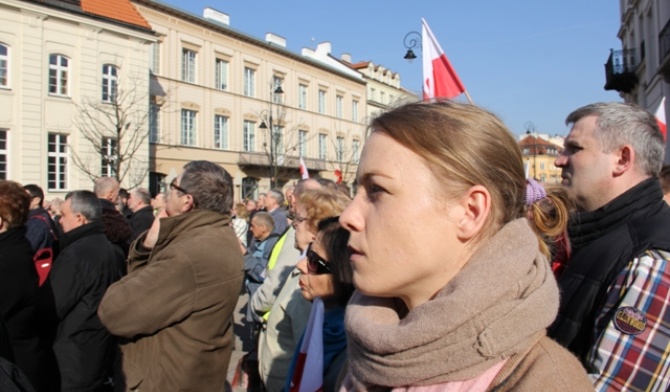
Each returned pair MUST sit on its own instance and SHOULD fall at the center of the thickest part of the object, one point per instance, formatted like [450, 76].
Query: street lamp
[530, 129]
[267, 122]
[411, 41]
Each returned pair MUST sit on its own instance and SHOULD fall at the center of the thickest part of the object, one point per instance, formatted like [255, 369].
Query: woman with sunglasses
[326, 276]
[461, 301]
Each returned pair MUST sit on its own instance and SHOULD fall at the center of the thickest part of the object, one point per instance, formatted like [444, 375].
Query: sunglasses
[316, 264]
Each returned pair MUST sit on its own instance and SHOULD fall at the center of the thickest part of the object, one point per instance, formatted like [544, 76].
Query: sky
[529, 61]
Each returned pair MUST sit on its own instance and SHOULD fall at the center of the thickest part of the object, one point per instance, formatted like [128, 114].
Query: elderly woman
[463, 299]
[18, 283]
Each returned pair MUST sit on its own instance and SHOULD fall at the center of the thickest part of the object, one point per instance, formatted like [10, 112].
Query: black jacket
[19, 302]
[141, 220]
[83, 349]
[603, 243]
[117, 228]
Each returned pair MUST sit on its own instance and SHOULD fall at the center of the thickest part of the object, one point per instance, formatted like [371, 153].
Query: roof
[119, 10]
[537, 145]
[360, 64]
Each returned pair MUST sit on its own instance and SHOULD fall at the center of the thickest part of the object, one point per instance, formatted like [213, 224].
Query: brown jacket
[175, 305]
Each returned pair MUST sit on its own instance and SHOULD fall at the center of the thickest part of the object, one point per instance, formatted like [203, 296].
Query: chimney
[346, 57]
[216, 16]
[275, 39]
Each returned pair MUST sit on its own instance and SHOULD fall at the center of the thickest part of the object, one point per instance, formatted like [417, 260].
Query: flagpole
[468, 97]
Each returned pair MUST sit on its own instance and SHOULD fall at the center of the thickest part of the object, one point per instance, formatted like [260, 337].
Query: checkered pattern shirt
[635, 362]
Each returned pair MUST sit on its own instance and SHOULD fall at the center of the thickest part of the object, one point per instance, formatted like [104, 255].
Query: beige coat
[175, 305]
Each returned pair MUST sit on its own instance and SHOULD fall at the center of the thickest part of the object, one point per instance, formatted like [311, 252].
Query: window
[59, 69]
[322, 101]
[3, 154]
[372, 93]
[278, 139]
[340, 149]
[382, 96]
[356, 150]
[155, 59]
[354, 110]
[221, 74]
[188, 65]
[276, 84]
[4, 65]
[249, 136]
[249, 188]
[541, 165]
[323, 148]
[339, 100]
[302, 96]
[302, 143]
[57, 162]
[188, 127]
[220, 132]
[109, 83]
[109, 157]
[249, 81]
[154, 123]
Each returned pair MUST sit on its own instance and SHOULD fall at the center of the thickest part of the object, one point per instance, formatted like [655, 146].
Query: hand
[242, 248]
[152, 235]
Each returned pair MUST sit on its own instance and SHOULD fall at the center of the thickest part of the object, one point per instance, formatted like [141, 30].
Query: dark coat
[117, 228]
[141, 220]
[19, 302]
[83, 348]
[41, 232]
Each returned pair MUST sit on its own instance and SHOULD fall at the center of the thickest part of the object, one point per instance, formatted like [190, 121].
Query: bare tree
[117, 128]
[346, 157]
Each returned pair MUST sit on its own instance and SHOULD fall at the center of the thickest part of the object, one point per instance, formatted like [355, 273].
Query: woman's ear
[476, 205]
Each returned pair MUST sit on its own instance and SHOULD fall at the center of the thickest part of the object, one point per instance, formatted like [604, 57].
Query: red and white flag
[308, 373]
[660, 118]
[304, 174]
[338, 175]
[439, 77]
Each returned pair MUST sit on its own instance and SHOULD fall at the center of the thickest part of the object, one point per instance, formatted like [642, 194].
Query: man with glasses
[175, 306]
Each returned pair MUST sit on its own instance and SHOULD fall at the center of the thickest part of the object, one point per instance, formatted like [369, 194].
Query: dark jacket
[41, 231]
[141, 220]
[255, 262]
[176, 304]
[19, 302]
[83, 348]
[117, 228]
[603, 243]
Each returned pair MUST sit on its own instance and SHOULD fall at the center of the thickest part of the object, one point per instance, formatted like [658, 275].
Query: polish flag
[660, 118]
[439, 77]
[338, 175]
[304, 174]
[308, 373]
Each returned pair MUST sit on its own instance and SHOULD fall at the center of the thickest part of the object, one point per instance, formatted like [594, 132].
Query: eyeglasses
[177, 187]
[316, 264]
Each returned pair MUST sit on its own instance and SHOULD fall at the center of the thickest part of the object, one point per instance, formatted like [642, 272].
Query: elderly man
[117, 229]
[274, 202]
[175, 306]
[86, 267]
[142, 218]
[614, 312]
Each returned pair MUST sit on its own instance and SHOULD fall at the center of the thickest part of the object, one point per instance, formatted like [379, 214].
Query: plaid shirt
[635, 362]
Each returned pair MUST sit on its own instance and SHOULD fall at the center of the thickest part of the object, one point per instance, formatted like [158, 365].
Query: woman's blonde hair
[466, 146]
[322, 203]
[549, 217]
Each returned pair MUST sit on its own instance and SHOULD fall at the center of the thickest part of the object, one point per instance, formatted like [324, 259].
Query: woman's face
[315, 285]
[403, 228]
[303, 233]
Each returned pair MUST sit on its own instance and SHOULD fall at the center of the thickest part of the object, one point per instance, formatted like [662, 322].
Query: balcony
[259, 159]
[664, 52]
[620, 71]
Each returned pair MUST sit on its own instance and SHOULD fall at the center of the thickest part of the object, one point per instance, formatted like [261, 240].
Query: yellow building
[538, 159]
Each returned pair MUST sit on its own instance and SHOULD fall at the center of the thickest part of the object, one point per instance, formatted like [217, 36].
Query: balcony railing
[664, 51]
[620, 71]
[282, 161]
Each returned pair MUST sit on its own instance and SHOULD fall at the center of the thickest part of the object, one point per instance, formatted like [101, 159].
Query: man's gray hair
[277, 195]
[105, 184]
[85, 203]
[264, 219]
[624, 123]
[142, 194]
[210, 186]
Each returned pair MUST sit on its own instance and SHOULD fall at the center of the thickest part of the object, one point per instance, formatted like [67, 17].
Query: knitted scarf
[498, 305]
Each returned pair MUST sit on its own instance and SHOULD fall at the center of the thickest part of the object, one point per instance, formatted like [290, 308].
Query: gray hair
[103, 185]
[85, 203]
[210, 185]
[277, 195]
[142, 194]
[264, 219]
[624, 123]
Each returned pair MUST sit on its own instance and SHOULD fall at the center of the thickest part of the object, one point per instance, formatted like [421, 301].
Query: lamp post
[530, 130]
[411, 41]
[267, 123]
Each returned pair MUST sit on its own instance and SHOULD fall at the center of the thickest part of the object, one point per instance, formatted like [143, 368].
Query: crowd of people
[445, 269]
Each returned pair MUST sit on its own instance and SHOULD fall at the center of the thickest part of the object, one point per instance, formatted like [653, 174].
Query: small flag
[660, 118]
[304, 174]
[308, 373]
[338, 175]
[439, 77]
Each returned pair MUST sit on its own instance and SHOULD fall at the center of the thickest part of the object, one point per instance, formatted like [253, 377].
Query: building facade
[250, 105]
[538, 159]
[63, 64]
[640, 70]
